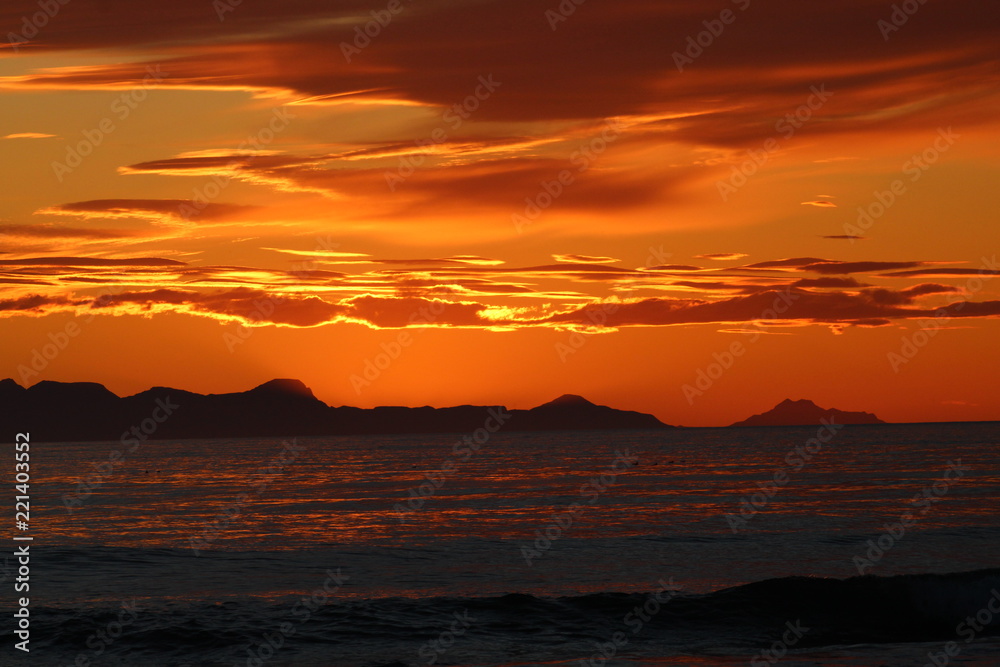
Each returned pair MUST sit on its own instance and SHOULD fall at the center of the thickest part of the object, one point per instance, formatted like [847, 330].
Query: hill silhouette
[806, 413]
[87, 411]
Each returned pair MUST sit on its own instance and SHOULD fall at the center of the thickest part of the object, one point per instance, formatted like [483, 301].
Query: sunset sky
[441, 202]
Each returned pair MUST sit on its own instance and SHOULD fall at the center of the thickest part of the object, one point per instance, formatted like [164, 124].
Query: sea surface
[675, 547]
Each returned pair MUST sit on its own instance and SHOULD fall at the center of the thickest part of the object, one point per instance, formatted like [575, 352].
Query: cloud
[260, 307]
[432, 55]
[943, 273]
[698, 286]
[89, 261]
[722, 256]
[857, 267]
[674, 267]
[30, 135]
[156, 210]
[335, 257]
[55, 231]
[795, 306]
[472, 260]
[820, 204]
[248, 305]
[320, 254]
[453, 184]
[431, 58]
[585, 259]
[409, 311]
[845, 237]
[908, 295]
[828, 282]
[225, 162]
[924, 289]
[794, 263]
[33, 304]
[473, 291]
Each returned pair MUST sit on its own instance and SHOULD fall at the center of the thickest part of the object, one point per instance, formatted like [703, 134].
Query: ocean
[856, 545]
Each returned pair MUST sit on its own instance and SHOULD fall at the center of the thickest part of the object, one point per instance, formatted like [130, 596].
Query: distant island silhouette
[806, 413]
[88, 411]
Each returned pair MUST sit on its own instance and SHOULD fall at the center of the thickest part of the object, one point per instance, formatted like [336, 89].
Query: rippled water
[532, 550]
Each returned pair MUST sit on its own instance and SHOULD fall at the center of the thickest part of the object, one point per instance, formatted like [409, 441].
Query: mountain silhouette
[567, 400]
[87, 411]
[569, 412]
[806, 413]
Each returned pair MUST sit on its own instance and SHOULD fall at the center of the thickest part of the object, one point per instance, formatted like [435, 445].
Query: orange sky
[208, 196]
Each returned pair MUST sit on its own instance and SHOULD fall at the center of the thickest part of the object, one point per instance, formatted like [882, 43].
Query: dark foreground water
[689, 547]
